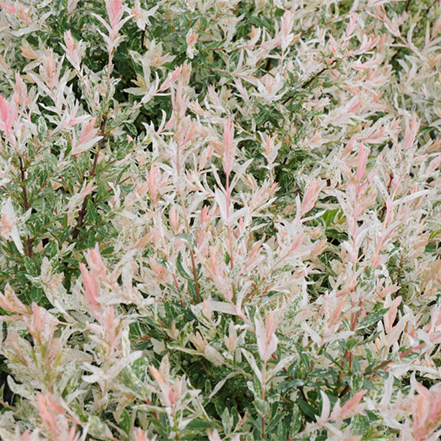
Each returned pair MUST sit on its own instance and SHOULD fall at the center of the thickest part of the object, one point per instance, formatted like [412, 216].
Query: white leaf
[221, 383]
[85, 146]
[213, 355]
[240, 172]
[314, 335]
[223, 307]
[411, 197]
[30, 29]
[338, 336]
[222, 202]
[158, 346]
[236, 215]
[280, 365]
[16, 238]
[98, 429]
[326, 407]
[120, 365]
[252, 361]
[24, 390]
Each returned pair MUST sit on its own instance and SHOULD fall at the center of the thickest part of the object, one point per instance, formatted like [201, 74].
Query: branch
[83, 210]
[29, 250]
[305, 85]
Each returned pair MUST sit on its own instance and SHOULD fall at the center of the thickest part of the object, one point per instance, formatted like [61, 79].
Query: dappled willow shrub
[220, 220]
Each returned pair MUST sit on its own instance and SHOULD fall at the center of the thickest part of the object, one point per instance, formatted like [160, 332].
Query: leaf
[235, 215]
[91, 212]
[213, 355]
[36, 294]
[188, 238]
[125, 422]
[307, 409]
[226, 420]
[329, 216]
[238, 174]
[303, 356]
[410, 197]
[41, 128]
[24, 390]
[132, 382]
[252, 361]
[198, 426]
[285, 361]
[192, 291]
[83, 147]
[221, 202]
[223, 307]
[186, 350]
[98, 429]
[219, 385]
[181, 269]
[372, 318]
[261, 407]
[326, 407]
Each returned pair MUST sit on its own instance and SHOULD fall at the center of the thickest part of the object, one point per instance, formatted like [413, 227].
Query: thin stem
[83, 210]
[193, 260]
[175, 280]
[409, 351]
[307, 83]
[381, 365]
[228, 215]
[187, 225]
[29, 248]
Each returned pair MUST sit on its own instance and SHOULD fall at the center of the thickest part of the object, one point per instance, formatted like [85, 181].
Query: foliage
[220, 220]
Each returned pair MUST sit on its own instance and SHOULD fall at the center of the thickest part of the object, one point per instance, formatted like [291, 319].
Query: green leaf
[192, 290]
[215, 44]
[181, 269]
[296, 422]
[274, 407]
[370, 356]
[356, 365]
[227, 422]
[91, 211]
[36, 294]
[42, 128]
[303, 356]
[257, 388]
[131, 129]
[125, 422]
[307, 409]
[131, 381]
[198, 426]
[107, 251]
[334, 234]
[329, 216]
[275, 424]
[351, 343]
[296, 383]
[373, 318]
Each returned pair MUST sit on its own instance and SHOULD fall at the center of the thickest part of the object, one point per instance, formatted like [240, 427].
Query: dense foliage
[220, 220]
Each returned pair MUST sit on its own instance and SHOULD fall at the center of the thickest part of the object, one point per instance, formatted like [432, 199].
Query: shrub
[220, 220]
